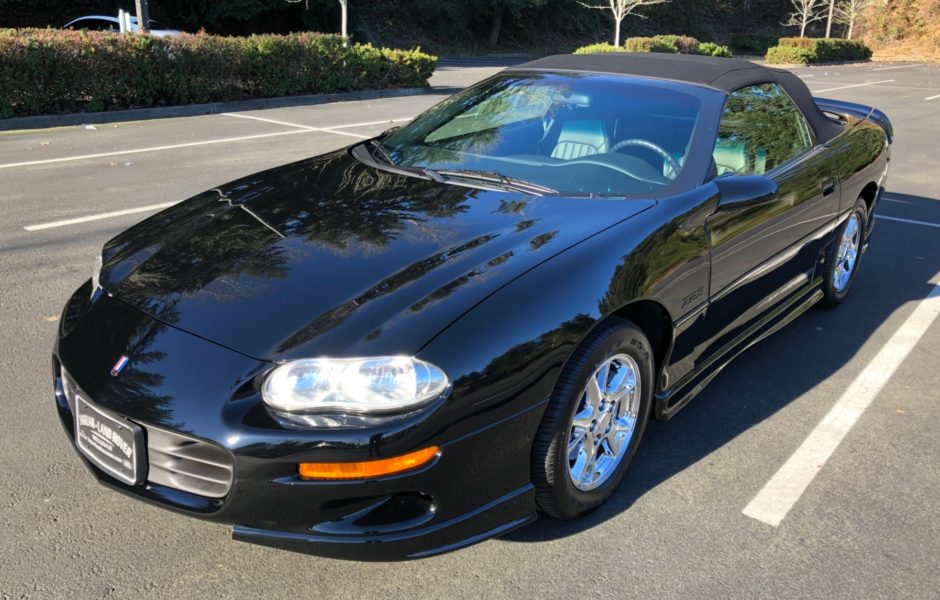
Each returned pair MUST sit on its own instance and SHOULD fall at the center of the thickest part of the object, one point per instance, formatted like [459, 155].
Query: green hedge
[816, 50]
[46, 71]
[668, 44]
[713, 49]
[599, 48]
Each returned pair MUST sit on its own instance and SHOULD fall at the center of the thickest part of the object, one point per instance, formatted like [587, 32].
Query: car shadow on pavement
[895, 271]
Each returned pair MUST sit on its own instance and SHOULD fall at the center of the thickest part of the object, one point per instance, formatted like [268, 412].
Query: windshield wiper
[492, 177]
[382, 150]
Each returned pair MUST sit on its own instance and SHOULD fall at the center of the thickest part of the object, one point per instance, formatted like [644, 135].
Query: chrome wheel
[847, 255]
[604, 422]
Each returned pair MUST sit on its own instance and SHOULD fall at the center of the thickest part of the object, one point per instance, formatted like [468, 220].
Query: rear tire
[844, 256]
[603, 424]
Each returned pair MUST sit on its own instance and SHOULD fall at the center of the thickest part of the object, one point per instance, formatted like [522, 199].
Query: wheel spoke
[603, 378]
[594, 394]
[590, 462]
[851, 229]
[583, 467]
[582, 418]
[614, 389]
[613, 442]
[575, 441]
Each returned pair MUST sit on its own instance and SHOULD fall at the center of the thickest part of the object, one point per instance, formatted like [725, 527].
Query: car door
[765, 249]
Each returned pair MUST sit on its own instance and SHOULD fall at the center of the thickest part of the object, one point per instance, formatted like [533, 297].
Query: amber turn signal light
[371, 468]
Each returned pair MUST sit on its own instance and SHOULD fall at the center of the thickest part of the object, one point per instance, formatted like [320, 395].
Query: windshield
[570, 133]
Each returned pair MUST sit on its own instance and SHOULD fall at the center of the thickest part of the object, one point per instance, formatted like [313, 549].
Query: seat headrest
[582, 137]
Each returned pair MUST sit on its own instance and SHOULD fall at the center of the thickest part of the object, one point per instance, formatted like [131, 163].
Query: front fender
[506, 353]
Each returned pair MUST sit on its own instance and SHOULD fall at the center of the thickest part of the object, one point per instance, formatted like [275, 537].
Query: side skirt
[667, 403]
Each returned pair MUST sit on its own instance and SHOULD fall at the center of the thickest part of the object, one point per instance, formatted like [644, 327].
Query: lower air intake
[188, 464]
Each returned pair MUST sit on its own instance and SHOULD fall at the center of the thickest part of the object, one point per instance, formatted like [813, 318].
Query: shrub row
[816, 50]
[669, 44]
[46, 71]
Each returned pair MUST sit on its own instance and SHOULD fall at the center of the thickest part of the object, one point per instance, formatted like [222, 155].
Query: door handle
[828, 186]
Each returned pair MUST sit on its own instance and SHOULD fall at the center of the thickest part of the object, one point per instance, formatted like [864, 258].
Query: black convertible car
[423, 340]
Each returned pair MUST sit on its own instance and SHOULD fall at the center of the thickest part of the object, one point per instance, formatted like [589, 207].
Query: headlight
[385, 384]
[96, 276]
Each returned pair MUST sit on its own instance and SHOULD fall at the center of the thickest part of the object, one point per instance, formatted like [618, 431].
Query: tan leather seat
[579, 138]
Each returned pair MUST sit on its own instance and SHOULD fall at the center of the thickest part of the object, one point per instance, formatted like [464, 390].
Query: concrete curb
[191, 110]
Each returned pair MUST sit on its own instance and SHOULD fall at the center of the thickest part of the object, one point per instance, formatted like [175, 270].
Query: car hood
[329, 256]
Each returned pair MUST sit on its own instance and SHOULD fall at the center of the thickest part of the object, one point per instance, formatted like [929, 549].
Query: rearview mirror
[741, 191]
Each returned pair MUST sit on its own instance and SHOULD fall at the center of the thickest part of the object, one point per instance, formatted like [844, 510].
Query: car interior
[605, 140]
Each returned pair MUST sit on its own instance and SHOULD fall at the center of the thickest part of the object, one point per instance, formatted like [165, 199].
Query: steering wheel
[673, 163]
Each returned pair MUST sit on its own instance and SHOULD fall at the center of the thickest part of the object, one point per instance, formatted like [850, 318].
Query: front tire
[844, 256]
[594, 421]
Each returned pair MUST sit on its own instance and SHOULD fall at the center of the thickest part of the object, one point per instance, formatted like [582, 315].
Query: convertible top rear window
[595, 134]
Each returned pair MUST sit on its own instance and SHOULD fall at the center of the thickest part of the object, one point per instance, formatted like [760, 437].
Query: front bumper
[477, 488]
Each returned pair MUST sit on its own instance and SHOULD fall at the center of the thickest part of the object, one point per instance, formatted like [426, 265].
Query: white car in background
[104, 23]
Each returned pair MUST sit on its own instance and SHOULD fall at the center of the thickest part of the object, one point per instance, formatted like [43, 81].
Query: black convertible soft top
[723, 74]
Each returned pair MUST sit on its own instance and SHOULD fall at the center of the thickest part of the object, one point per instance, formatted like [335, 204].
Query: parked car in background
[105, 23]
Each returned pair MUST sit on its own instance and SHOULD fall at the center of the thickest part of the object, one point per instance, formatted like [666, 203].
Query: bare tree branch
[807, 11]
[621, 9]
[848, 13]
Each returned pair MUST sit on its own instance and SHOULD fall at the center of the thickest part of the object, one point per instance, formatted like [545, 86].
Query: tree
[832, 7]
[498, 10]
[344, 11]
[620, 9]
[806, 12]
[848, 13]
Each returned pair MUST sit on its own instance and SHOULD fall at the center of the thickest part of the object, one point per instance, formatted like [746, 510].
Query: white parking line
[254, 118]
[367, 123]
[98, 217]
[898, 67]
[304, 127]
[333, 129]
[49, 161]
[933, 97]
[912, 222]
[854, 85]
[784, 489]
[298, 129]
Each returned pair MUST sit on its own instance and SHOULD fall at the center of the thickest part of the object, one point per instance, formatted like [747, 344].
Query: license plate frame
[110, 442]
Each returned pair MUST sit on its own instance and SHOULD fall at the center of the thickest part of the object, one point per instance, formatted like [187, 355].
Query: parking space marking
[50, 161]
[898, 67]
[783, 490]
[335, 129]
[933, 97]
[368, 123]
[911, 221]
[298, 129]
[854, 85]
[98, 217]
[275, 122]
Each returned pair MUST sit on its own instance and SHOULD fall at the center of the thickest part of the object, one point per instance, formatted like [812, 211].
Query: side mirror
[742, 191]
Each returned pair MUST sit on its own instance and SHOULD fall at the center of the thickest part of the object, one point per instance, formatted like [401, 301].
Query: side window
[760, 129]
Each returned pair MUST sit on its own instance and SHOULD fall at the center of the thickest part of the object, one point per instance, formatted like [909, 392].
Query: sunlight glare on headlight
[353, 385]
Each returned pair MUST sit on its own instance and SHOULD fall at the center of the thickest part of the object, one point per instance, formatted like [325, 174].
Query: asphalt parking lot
[867, 524]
